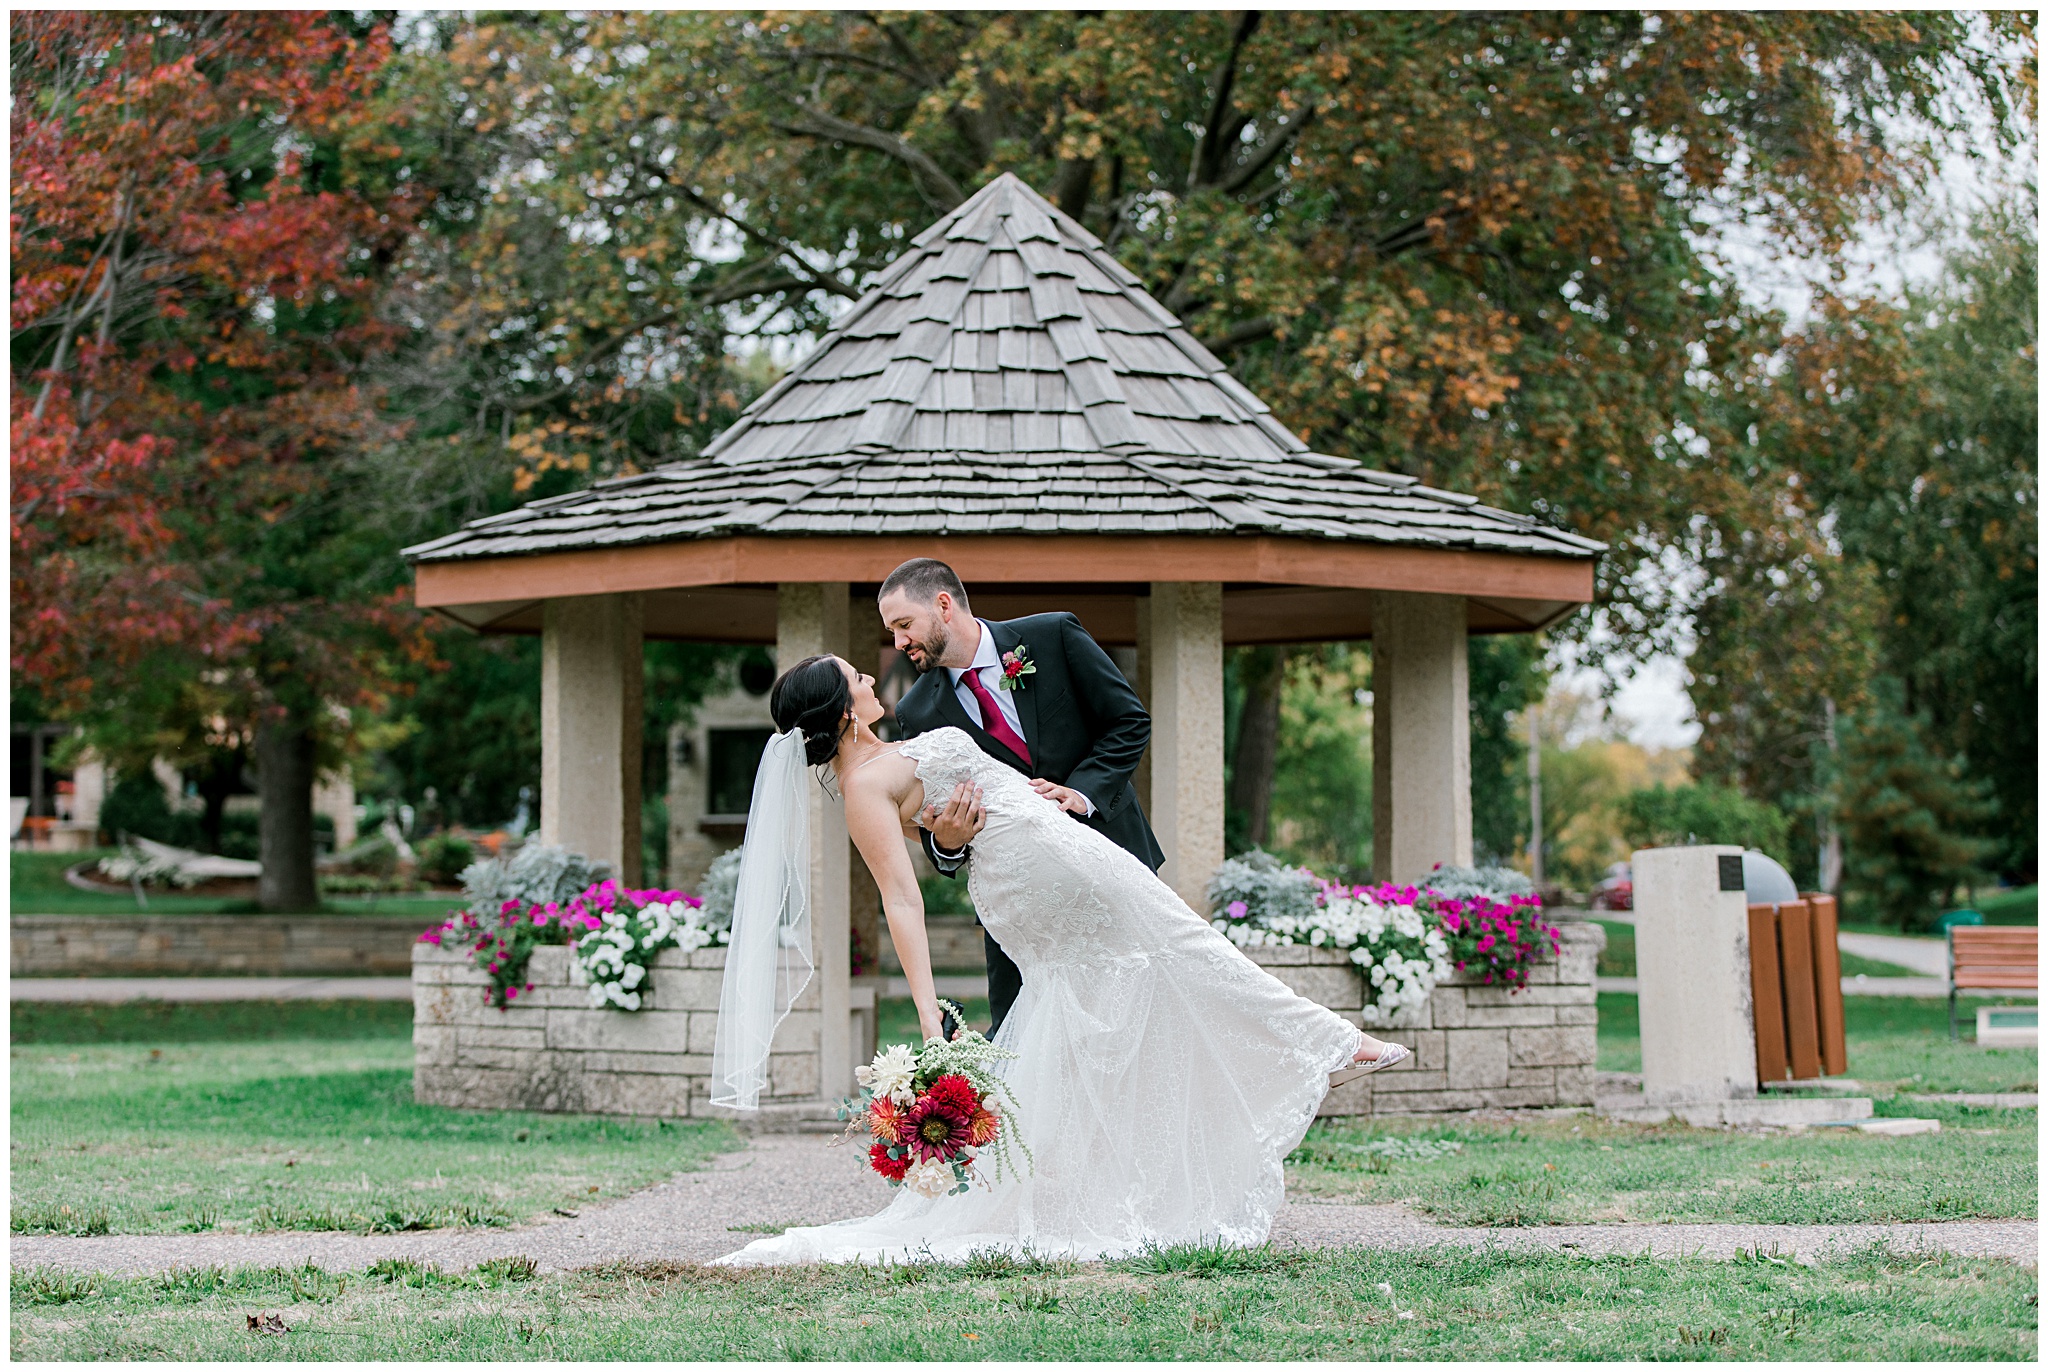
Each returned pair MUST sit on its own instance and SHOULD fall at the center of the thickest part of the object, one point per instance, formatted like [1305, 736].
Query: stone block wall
[1476, 1046]
[213, 945]
[550, 1050]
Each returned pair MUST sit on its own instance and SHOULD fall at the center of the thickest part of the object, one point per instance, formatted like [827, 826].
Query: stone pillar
[590, 728]
[811, 617]
[1182, 659]
[1692, 976]
[864, 897]
[1141, 682]
[1421, 735]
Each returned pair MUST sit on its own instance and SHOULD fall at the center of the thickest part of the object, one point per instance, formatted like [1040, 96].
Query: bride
[1160, 1076]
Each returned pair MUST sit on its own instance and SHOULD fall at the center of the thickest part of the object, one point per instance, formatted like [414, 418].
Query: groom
[1036, 693]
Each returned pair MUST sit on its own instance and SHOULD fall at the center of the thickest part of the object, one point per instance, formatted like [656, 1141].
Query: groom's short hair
[922, 578]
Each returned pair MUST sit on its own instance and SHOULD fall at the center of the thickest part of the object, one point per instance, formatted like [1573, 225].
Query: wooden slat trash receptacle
[1795, 975]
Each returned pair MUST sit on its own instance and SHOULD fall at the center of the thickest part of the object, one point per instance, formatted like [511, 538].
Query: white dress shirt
[988, 664]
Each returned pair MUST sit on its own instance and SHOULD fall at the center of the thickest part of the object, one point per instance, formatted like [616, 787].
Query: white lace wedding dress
[1161, 1077]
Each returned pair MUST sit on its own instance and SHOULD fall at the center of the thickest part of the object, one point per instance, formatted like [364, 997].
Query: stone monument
[1694, 999]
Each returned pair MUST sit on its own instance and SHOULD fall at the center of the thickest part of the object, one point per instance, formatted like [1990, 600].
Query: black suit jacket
[1084, 724]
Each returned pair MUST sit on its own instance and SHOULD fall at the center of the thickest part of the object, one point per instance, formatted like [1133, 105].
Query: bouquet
[934, 1112]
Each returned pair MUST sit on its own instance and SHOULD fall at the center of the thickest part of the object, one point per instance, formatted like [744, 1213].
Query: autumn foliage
[194, 279]
[164, 228]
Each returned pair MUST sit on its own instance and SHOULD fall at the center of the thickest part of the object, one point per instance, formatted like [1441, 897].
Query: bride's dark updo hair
[813, 696]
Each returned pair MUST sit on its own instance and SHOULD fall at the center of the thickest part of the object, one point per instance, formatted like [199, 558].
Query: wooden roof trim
[998, 559]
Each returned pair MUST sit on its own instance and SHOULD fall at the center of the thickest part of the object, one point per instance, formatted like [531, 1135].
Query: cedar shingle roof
[1006, 375]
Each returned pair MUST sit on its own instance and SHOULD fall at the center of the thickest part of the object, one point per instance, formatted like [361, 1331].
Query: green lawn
[1618, 958]
[896, 1019]
[2021, 905]
[1587, 1171]
[1896, 1044]
[1180, 1304]
[36, 886]
[204, 1117]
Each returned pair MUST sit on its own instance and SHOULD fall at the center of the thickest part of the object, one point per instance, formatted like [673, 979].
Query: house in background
[57, 809]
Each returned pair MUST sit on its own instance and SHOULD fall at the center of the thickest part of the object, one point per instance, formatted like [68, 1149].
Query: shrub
[720, 885]
[1667, 816]
[136, 805]
[444, 858]
[532, 874]
[1499, 883]
[1259, 887]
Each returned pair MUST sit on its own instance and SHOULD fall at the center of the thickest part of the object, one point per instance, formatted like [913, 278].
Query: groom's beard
[926, 654]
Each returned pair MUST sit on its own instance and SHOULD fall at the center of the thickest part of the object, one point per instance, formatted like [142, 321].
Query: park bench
[1991, 959]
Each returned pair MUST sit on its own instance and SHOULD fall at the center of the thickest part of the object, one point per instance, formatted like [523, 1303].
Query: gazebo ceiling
[1010, 398]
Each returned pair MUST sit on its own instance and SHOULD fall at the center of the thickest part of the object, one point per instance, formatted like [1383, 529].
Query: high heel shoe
[1390, 1054]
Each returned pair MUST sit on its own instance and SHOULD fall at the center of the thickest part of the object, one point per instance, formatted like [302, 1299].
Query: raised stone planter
[213, 945]
[551, 1051]
[1476, 1046]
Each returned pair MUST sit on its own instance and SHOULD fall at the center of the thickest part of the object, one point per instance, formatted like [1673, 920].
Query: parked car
[1616, 890]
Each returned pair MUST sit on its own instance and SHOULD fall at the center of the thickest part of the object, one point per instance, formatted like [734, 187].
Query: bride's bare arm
[875, 823]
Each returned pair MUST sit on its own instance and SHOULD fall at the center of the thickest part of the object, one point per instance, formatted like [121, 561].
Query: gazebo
[1010, 399]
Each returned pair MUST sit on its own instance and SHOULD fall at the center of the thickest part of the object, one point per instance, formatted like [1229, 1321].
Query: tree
[197, 247]
[1905, 544]
[1322, 786]
[1253, 678]
[1906, 812]
[1669, 816]
[1470, 247]
[1505, 676]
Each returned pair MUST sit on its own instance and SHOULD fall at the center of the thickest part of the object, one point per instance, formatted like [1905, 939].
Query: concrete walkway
[808, 1179]
[114, 989]
[1926, 956]
[1917, 988]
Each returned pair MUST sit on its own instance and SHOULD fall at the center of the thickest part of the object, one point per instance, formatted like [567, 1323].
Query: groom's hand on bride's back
[1066, 797]
[954, 824]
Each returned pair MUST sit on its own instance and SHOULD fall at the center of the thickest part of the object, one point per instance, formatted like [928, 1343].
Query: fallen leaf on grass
[268, 1323]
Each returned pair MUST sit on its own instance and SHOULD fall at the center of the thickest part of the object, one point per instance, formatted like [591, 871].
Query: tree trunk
[215, 783]
[1258, 742]
[284, 764]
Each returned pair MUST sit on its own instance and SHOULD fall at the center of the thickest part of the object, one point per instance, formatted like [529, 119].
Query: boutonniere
[1017, 665]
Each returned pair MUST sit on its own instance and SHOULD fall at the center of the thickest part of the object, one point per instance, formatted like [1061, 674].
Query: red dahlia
[982, 1127]
[892, 1168]
[957, 1092]
[934, 1129]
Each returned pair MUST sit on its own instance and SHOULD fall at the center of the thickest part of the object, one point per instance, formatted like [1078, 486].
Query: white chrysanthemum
[892, 1074]
[930, 1178]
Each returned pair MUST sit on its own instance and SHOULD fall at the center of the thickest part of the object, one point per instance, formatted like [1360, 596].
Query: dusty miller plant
[718, 888]
[1257, 886]
[537, 874]
[1462, 883]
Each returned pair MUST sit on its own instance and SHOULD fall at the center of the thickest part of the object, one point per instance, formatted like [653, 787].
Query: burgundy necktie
[992, 718]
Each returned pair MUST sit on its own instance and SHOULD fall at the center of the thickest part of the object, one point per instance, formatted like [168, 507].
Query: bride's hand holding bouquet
[933, 1114]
